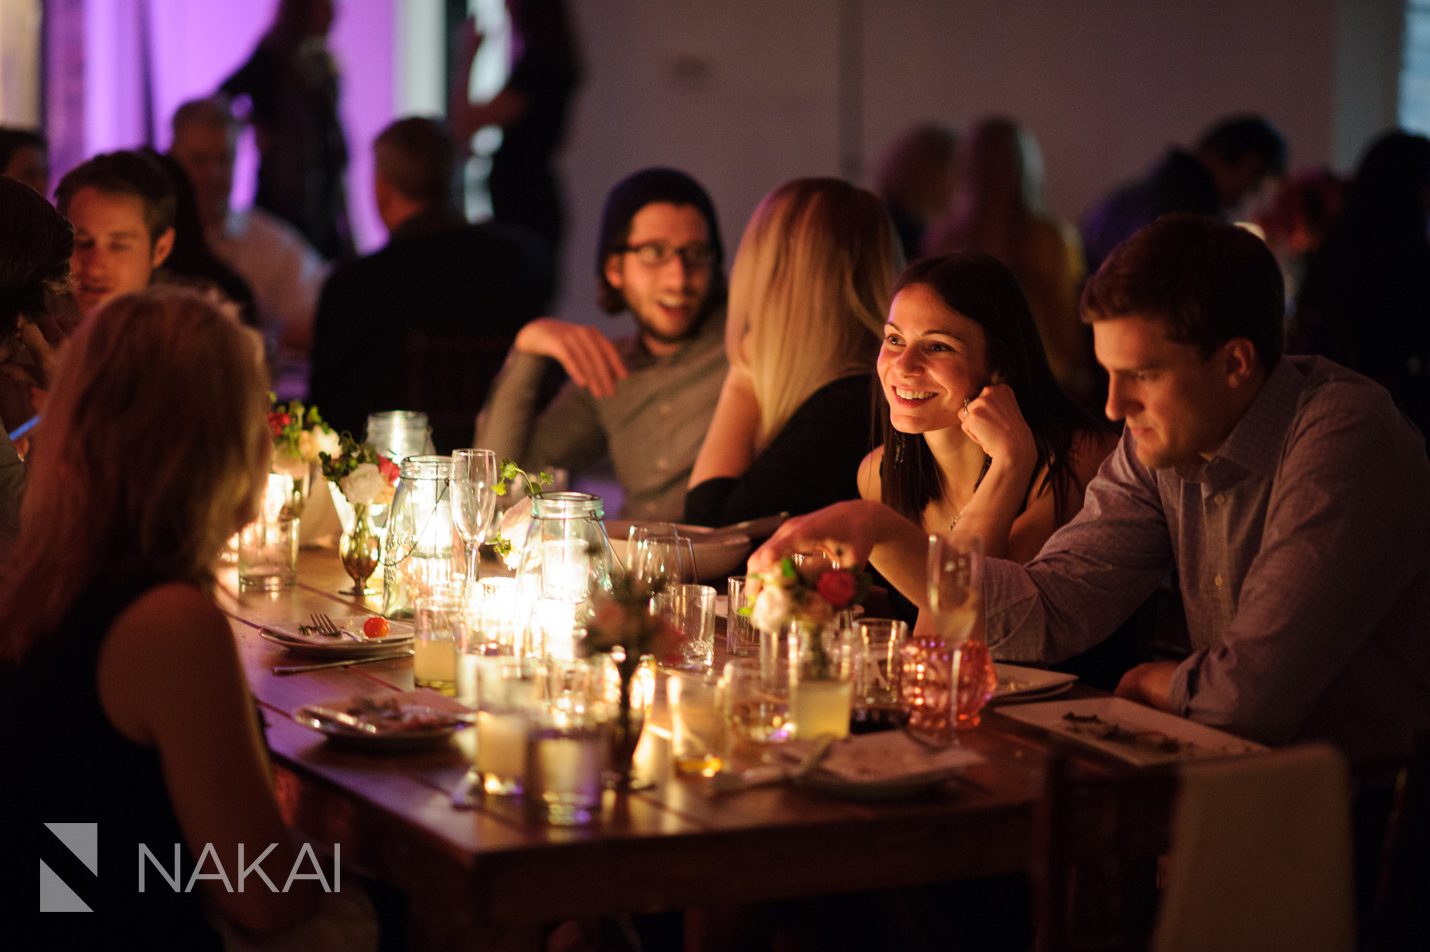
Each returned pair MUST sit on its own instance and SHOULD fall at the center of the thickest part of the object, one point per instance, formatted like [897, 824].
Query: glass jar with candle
[417, 553]
[565, 530]
[398, 434]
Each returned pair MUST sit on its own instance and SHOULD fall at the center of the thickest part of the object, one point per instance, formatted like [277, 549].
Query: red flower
[389, 470]
[277, 420]
[836, 587]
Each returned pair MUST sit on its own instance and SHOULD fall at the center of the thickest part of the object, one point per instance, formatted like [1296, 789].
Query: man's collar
[712, 327]
[1254, 443]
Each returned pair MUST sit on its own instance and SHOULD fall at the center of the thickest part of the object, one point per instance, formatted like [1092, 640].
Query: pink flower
[837, 587]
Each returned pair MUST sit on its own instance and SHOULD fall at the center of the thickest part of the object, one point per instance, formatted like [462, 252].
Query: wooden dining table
[488, 877]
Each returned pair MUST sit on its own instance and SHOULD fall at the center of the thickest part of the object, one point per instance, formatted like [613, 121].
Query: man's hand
[1150, 684]
[587, 355]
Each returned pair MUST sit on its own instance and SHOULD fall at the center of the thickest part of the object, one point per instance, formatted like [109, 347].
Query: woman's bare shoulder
[871, 474]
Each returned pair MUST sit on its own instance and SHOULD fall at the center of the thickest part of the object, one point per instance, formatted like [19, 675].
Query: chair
[1096, 842]
[1400, 913]
[1257, 856]
[448, 376]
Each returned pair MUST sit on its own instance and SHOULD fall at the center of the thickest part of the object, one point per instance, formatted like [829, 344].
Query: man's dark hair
[35, 247]
[1207, 280]
[13, 139]
[628, 197]
[1236, 136]
[125, 172]
[418, 156]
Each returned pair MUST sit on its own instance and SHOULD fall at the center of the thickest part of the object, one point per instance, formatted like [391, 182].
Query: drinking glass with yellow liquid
[821, 666]
[697, 728]
[754, 699]
[441, 628]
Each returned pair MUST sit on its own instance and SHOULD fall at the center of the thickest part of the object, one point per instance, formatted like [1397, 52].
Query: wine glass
[638, 533]
[473, 487]
[955, 586]
[668, 557]
[955, 599]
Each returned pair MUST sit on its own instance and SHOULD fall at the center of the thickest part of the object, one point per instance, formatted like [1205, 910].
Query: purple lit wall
[193, 46]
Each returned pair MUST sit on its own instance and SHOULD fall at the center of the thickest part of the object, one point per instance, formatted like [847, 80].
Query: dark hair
[35, 247]
[1236, 136]
[12, 140]
[418, 157]
[209, 111]
[1209, 281]
[628, 197]
[126, 172]
[1389, 189]
[982, 289]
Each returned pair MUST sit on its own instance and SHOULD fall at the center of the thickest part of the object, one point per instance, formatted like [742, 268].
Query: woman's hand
[993, 421]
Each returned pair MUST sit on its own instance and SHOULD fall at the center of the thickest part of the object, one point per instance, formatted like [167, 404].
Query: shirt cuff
[1184, 683]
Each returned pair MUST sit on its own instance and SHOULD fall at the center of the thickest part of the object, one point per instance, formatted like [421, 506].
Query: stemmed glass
[955, 600]
[473, 486]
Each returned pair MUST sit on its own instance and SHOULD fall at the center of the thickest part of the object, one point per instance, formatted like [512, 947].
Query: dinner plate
[390, 723]
[885, 766]
[716, 556]
[1019, 683]
[1130, 731]
[302, 641]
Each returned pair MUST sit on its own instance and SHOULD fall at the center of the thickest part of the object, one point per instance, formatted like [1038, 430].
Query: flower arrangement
[507, 477]
[300, 437]
[364, 475]
[808, 591]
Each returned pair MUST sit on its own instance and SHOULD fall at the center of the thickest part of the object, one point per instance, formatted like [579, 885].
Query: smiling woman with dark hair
[976, 429]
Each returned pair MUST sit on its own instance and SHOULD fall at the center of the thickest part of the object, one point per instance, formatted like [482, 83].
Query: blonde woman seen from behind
[808, 293]
[121, 689]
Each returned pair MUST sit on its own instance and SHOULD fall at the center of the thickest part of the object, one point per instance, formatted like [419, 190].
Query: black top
[459, 291]
[811, 463]
[66, 764]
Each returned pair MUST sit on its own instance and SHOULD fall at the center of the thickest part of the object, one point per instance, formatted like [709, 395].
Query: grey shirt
[651, 428]
[1302, 557]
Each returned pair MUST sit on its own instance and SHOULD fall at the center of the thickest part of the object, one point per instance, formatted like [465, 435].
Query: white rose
[308, 446]
[364, 485]
[327, 440]
[772, 607]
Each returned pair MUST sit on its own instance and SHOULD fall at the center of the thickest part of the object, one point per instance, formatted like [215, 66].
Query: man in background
[281, 268]
[25, 156]
[1231, 161]
[643, 402]
[423, 323]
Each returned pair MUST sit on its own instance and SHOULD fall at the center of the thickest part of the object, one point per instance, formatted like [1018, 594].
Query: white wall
[744, 93]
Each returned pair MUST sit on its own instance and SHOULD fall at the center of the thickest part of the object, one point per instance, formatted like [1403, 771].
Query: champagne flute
[473, 488]
[955, 586]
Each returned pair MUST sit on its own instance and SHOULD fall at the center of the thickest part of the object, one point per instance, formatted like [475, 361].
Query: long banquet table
[488, 878]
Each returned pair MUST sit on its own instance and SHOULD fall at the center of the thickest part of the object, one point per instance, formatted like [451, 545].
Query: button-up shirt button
[1219, 498]
[665, 409]
[662, 463]
[1217, 581]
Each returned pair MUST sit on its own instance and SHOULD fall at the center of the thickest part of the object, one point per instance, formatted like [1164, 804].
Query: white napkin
[1261, 856]
[891, 755]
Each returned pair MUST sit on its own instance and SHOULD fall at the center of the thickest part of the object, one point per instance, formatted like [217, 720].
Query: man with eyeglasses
[644, 402]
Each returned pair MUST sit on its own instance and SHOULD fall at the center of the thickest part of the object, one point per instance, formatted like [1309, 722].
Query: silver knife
[300, 668]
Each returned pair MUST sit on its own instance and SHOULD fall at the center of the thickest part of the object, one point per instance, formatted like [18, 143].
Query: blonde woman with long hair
[808, 293]
[121, 690]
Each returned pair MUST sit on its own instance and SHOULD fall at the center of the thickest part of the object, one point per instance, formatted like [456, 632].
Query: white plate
[1015, 681]
[316, 716]
[715, 559]
[296, 637]
[1131, 732]
[885, 766]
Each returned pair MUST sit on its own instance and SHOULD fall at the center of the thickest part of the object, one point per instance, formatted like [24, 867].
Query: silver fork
[324, 625]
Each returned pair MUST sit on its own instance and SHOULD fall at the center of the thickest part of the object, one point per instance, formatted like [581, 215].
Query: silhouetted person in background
[916, 178]
[531, 110]
[1366, 299]
[291, 82]
[1297, 220]
[1002, 212]
[1231, 160]
[25, 155]
[440, 285]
